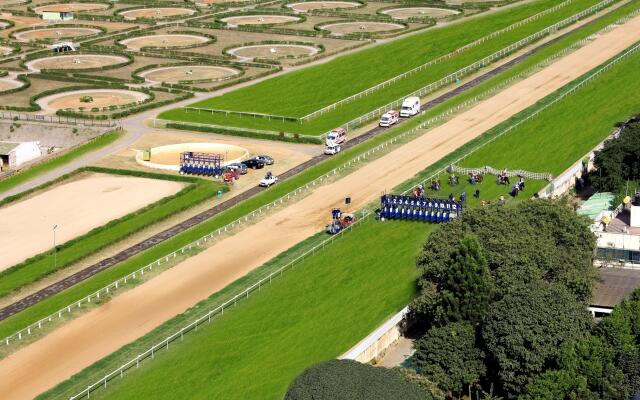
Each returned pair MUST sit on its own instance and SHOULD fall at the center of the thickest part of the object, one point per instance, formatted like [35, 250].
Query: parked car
[410, 106]
[268, 160]
[331, 150]
[389, 118]
[238, 166]
[254, 163]
[268, 180]
[336, 136]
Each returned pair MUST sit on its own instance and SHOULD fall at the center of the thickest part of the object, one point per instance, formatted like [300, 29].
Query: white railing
[422, 67]
[164, 344]
[540, 176]
[455, 76]
[56, 119]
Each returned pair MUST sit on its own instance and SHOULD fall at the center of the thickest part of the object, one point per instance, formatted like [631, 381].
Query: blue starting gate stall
[207, 164]
[419, 208]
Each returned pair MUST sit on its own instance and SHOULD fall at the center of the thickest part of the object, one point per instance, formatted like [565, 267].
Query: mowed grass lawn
[299, 93]
[313, 313]
[563, 133]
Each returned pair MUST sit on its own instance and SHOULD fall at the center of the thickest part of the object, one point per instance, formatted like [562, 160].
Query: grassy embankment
[314, 311]
[56, 302]
[299, 93]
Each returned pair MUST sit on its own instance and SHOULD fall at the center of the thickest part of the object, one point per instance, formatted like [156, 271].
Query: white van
[410, 106]
[336, 136]
[389, 118]
[331, 150]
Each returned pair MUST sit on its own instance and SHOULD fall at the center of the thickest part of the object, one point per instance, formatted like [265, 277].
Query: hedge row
[295, 42]
[37, 28]
[246, 133]
[185, 82]
[362, 35]
[228, 83]
[212, 39]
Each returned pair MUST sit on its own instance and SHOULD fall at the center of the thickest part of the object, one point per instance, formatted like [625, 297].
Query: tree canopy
[525, 330]
[448, 355]
[618, 161]
[532, 241]
[350, 380]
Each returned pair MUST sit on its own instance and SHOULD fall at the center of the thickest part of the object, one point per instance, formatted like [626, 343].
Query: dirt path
[98, 333]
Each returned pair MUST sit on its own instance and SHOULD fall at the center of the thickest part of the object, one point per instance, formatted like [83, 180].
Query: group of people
[518, 187]
[475, 178]
[503, 178]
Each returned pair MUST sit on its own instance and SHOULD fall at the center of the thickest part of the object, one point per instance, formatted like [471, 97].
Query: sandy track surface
[363, 26]
[74, 208]
[98, 333]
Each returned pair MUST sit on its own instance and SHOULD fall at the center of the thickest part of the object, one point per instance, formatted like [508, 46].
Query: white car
[268, 180]
[331, 150]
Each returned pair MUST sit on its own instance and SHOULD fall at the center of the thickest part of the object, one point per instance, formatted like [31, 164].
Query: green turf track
[255, 350]
[41, 265]
[304, 93]
[52, 304]
[56, 162]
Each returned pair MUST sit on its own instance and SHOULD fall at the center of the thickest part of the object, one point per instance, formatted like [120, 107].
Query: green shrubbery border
[319, 46]
[53, 26]
[228, 83]
[151, 4]
[128, 56]
[363, 35]
[188, 63]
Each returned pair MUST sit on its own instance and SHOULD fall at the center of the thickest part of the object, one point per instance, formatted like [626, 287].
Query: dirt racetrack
[189, 73]
[54, 33]
[274, 51]
[419, 12]
[322, 5]
[258, 20]
[342, 28]
[169, 40]
[156, 13]
[78, 7]
[98, 333]
[76, 207]
[77, 61]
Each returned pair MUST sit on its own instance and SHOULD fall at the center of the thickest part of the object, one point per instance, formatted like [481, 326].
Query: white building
[14, 154]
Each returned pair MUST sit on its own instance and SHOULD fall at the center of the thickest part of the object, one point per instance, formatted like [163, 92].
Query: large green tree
[618, 161]
[350, 380]
[466, 292]
[524, 331]
[532, 241]
[448, 355]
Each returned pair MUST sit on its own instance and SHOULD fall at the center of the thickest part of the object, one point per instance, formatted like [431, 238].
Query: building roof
[616, 284]
[6, 147]
[596, 204]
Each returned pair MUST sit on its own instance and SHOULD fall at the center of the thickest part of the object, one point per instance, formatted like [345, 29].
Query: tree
[350, 380]
[532, 241]
[559, 385]
[448, 356]
[618, 161]
[524, 331]
[466, 292]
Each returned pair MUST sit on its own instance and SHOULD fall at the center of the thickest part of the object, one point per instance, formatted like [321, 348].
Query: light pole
[55, 251]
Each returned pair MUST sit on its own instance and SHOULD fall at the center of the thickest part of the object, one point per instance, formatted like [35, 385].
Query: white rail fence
[495, 171]
[55, 119]
[451, 78]
[424, 66]
[164, 344]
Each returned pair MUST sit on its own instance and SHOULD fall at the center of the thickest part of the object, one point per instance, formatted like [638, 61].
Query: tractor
[339, 221]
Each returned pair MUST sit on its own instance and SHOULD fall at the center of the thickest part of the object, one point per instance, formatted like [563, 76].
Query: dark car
[266, 159]
[254, 163]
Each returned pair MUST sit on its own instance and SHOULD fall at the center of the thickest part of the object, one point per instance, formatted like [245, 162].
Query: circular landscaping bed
[4, 50]
[322, 5]
[76, 62]
[89, 99]
[344, 28]
[156, 13]
[54, 33]
[239, 20]
[403, 13]
[192, 73]
[166, 40]
[274, 51]
[71, 7]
